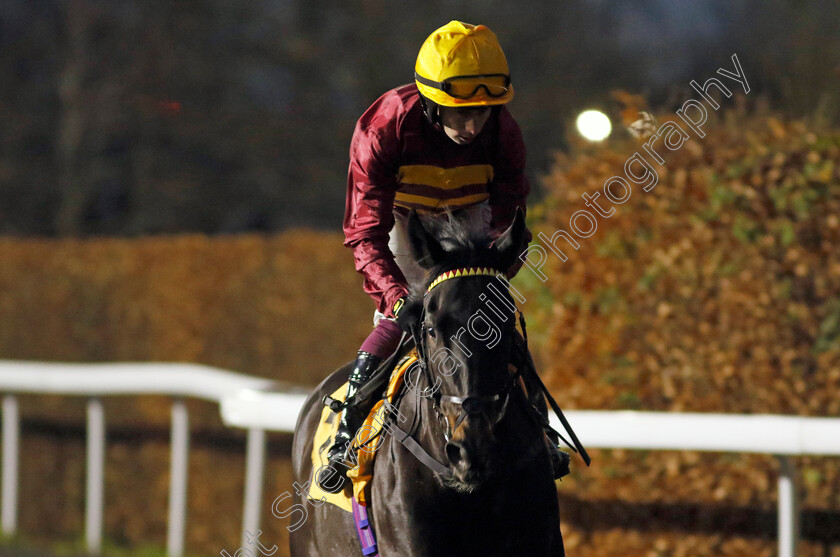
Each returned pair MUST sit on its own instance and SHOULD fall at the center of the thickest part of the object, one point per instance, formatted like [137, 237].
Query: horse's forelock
[455, 234]
[464, 247]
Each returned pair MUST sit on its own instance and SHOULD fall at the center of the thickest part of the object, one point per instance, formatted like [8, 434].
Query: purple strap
[364, 529]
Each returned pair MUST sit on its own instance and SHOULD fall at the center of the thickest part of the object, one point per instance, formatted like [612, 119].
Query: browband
[466, 272]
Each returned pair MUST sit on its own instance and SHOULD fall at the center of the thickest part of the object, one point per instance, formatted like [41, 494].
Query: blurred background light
[593, 125]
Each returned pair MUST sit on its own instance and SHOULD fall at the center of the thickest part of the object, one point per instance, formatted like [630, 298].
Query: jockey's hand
[406, 315]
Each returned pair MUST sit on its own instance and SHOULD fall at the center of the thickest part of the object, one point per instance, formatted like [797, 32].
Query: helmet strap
[431, 110]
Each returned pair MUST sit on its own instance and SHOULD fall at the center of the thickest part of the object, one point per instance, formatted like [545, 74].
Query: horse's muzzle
[470, 451]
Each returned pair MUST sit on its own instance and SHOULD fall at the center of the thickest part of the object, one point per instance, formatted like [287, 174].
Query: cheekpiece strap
[466, 272]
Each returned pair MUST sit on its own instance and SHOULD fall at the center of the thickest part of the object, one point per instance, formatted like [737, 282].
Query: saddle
[365, 444]
[378, 423]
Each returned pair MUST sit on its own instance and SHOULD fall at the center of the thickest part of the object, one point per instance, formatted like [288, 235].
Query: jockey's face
[462, 125]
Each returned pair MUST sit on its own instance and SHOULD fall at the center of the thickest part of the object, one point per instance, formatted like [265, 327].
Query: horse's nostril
[456, 454]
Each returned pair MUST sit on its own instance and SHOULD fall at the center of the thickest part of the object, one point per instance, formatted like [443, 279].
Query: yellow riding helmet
[463, 65]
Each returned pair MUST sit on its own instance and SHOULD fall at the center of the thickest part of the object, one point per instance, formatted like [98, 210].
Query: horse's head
[465, 330]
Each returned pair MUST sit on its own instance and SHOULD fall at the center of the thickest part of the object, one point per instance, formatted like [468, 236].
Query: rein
[476, 404]
[575, 445]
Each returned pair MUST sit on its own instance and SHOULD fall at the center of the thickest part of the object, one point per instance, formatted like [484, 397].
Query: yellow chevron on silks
[432, 188]
[468, 272]
[429, 203]
[445, 178]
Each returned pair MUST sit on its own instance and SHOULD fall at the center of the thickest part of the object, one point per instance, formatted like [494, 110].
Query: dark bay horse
[497, 497]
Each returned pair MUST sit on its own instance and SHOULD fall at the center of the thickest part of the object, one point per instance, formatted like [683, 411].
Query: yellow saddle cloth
[368, 439]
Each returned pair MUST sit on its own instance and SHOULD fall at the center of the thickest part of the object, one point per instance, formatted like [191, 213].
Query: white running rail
[782, 436]
[99, 380]
[261, 405]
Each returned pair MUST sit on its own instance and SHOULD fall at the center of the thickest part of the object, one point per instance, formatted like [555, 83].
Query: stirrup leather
[351, 417]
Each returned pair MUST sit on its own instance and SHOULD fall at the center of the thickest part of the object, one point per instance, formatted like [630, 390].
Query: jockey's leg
[382, 341]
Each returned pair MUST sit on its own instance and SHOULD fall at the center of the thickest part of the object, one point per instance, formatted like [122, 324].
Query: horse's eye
[431, 331]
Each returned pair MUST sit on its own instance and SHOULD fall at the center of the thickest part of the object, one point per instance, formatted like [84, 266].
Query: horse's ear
[426, 249]
[509, 243]
[412, 310]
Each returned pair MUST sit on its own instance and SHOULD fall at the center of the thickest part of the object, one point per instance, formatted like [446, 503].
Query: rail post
[254, 465]
[95, 493]
[178, 479]
[11, 443]
[788, 508]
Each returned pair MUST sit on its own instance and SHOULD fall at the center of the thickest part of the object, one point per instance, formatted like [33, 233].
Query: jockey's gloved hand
[406, 314]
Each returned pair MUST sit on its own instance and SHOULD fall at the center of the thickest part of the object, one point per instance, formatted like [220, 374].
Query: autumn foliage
[716, 291]
[286, 307]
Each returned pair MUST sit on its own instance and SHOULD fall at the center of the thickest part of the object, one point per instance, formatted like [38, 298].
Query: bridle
[473, 404]
[470, 405]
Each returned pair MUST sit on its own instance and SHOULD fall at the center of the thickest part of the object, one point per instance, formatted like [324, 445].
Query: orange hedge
[719, 290]
[288, 307]
[716, 291]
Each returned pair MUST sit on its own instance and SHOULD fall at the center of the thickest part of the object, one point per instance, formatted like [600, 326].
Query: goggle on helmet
[463, 65]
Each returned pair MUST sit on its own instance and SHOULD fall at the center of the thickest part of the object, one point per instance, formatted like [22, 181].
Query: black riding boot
[349, 422]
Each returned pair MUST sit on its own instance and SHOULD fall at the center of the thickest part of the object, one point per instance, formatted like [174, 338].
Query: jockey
[444, 143]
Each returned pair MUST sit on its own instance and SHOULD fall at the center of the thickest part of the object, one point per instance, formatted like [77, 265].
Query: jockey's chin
[461, 139]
